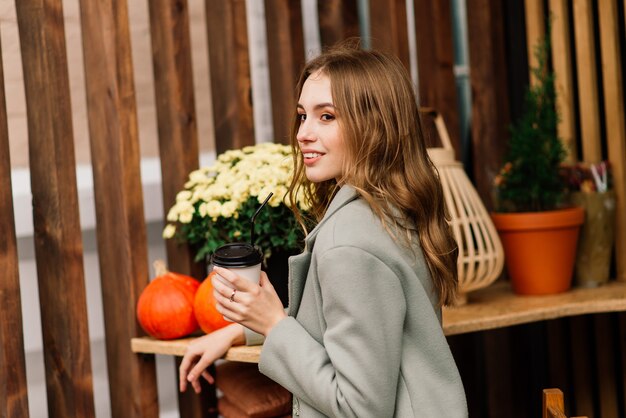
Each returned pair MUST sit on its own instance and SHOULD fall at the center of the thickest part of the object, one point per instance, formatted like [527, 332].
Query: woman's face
[319, 135]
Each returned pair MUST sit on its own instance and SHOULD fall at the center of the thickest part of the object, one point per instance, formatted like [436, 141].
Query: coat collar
[299, 264]
[345, 195]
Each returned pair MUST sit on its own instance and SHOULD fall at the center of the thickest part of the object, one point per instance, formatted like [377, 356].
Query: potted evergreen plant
[538, 233]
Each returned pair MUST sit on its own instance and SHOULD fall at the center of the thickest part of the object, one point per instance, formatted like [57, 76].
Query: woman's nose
[305, 133]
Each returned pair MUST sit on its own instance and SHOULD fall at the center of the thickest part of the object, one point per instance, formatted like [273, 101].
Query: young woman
[362, 336]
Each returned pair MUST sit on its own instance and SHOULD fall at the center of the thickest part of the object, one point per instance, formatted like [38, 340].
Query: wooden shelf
[148, 345]
[497, 307]
[494, 307]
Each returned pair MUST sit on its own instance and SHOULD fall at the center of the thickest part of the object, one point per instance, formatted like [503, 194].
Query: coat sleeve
[354, 371]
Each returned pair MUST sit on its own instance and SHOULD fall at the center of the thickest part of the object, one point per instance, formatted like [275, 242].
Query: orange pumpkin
[165, 306]
[207, 315]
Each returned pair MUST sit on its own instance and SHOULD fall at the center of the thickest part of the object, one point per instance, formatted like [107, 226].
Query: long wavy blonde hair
[386, 162]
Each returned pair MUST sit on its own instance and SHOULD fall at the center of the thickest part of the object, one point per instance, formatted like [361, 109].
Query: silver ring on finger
[232, 296]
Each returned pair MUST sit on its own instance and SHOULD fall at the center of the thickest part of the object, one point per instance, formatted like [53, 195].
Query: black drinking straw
[254, 217]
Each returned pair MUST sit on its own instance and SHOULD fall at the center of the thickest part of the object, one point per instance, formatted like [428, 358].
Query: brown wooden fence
[503, 370]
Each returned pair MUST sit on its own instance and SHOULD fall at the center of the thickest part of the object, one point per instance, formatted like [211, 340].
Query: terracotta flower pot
[540, 248]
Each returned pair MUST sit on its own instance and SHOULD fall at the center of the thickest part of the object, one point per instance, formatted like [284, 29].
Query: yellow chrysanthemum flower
[169, 231]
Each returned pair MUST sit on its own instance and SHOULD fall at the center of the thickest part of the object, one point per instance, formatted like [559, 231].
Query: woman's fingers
[183, 370]
[207, 376]
[235, 280]
[264, 281]
[223, 294]
[198, 370]
[227, 312]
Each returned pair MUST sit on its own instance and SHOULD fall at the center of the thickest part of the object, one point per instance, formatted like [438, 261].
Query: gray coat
[363, 337]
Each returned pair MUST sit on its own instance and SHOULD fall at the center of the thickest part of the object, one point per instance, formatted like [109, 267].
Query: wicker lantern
[481, 257]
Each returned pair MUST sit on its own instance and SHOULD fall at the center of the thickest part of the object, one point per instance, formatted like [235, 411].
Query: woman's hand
[203, 351]
[257, 307]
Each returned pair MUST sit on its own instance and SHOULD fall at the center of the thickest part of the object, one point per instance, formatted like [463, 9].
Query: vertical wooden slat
[581, 336]
[613, 87]
[529, 368]
[468, 352]
[435, 63]
[231, 85]
[535, 31]
[121, 232]
[587, 81]
[338, 19]
[557, 345]
[58, 242]
[178, 145]
[285, 50]
[621, 349]
[388, 28]
[13, 395]
[562, 63]
[488, 77]
[176, 113]
[607, 363]
[498, 369]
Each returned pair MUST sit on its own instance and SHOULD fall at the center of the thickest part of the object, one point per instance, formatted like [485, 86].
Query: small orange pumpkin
[165, 306]
[207, 315]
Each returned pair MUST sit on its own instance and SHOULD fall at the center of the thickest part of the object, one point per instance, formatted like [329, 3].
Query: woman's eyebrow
[318, 106]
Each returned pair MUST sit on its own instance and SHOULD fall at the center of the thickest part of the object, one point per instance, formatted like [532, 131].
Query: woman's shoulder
[355, 225]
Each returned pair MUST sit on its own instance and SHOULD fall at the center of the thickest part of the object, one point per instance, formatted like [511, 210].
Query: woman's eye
[301, 117]
[327, 117]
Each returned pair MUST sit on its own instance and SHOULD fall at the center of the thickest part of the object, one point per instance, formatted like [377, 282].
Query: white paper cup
[240, 258]
[252, 273]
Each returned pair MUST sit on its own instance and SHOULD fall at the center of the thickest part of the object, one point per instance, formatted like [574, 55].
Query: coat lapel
[299, 264]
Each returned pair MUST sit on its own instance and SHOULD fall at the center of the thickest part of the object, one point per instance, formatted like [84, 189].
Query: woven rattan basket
[481, 257]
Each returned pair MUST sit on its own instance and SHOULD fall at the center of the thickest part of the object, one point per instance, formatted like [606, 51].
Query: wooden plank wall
[58, 241]
[178, 146]
[503, 370]
[231, 85]
[121, 230]
[13, 393]
[437, 84]
[490, 103]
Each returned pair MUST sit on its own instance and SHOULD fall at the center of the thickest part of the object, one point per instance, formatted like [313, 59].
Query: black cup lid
[237, 255]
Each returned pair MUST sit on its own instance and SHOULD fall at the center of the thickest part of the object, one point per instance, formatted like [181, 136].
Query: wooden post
[388, 23]
[338, 19]
[497, 369]
[176, 113]
[231, 85]
[606, 361]
[563, 83]
[435, 63]
[557, 347]
[588, 102]
[582, 338]
[285, 50]
[121, 230]
[178, 146]
[490, 108]
[13, 394]
[613, 86]
[535, 31]
[58, 242]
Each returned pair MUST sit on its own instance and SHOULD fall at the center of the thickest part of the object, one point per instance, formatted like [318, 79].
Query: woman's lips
[311, 157]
